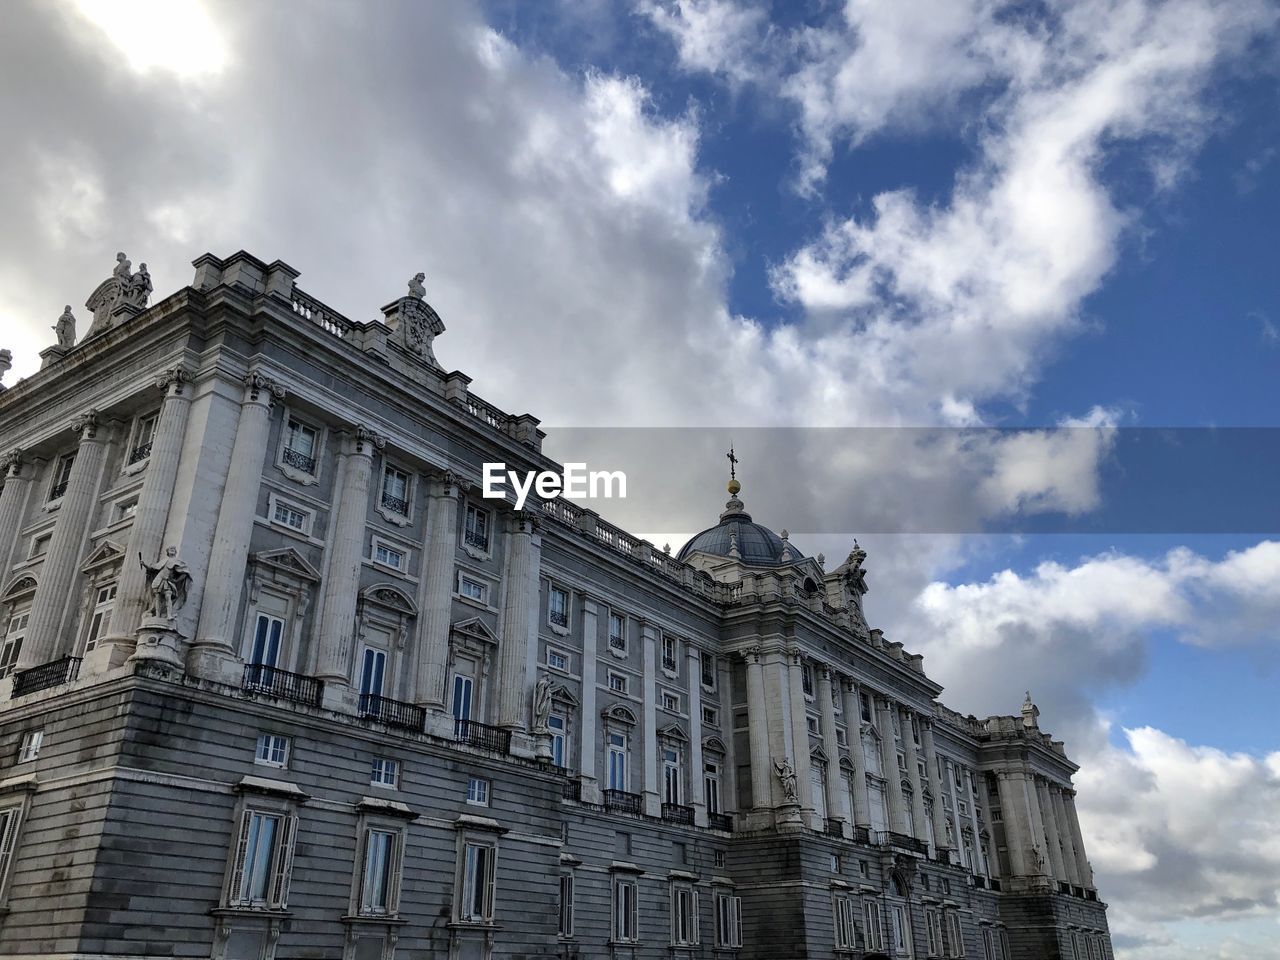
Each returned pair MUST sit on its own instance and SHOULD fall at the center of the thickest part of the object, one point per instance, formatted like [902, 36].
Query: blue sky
[738, 213]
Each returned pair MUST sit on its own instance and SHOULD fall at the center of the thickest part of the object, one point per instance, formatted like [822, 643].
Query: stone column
[149, 519]
[697, 793]
[837, 799]
[649, 653]
[1052, 836]
[984, 797]
[913, 777]
[17, 474]
[1077, 838]
[435, 589]
[346, 551]
[1013, 813]
[889, 760]
[979, 850]
[800, 735]
[519, 620]
[729, 775]
[1070, 861]
[853, 727]
[46, 639]
[758, 733]
[215, 645]
[589, 737]
[1037, 826]
[935, 786]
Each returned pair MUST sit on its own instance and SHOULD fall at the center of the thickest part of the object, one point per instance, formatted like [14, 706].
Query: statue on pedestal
[168, 582]
[542, 706]
[6, 363]
[65, 328]
[138, 288]
[787, 778]
[416, 287]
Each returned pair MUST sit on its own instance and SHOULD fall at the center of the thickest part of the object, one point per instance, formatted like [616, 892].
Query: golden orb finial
[734, 487]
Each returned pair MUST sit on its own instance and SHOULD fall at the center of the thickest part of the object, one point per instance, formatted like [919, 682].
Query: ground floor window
[566, 905]
[728, 920]
[626, 914]
[846, 927]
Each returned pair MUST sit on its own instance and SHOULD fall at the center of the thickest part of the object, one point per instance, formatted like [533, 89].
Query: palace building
[278, 682]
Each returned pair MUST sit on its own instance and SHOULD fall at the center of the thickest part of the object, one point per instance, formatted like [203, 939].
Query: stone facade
[278, 682]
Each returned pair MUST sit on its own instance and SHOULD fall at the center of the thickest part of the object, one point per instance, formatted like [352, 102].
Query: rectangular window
[144, 433]
[558, 607]
[988, 944]
[565, 928]
[617, 761]
[874, 928]
[670, 701]
[289, 516]
[379, 875]
[728, 920]
[865, 703]
[385, 772]
[710, 715]
[684, 915]
[388, 556]
[617, 631]
[300, 446]
[671, 785]
[812, 724]
[475, 531]
[617, 682]
[267, 635]
[264, 855]
[846, 925]
[100, 618]
[475, 887]
[395, 491]
[901, 930]
[373, 668]
[955, 935]
[841, 739]
[478, 791]
[806, 680]
[711, 786]
[273, 750]
[708, 665]
[10, 821]
[30, 747]
[473, 589]
[126, 509]
[462, 692]
[933, 931]
[669, 653]
[61, 476]
[556, 659]
[559, 740]
[626, 917]
[40, 545]
[13, 637]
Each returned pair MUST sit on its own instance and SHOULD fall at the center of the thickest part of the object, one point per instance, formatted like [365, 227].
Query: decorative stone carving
[256, 383]
[413, 323]
[786, 778]
[6, 364]
[366, 438]
[416, 289]
[86, 425]
[11, 462]
[65, 329]
[168, 582]
[177, 378]
[122, 287]
[542, 705]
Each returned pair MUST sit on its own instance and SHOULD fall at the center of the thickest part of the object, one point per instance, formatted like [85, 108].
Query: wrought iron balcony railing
[834, 827]
[720, 821]
[559, 617]
[475, 538]
[571, 790]
[296, 687]
[394, 713]
[617, 642]
[46, 675]
[623, 802]
[862, 835]
[299, 461]
[396, 505]
[904, 842]
[58, 490]
[140, 452]
[482, 735]
[677, 813]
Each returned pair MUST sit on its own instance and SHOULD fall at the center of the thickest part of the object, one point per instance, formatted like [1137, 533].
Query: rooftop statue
[6, 363]
[138, 290]
[416, 289]
[65, 328]
[123, 286]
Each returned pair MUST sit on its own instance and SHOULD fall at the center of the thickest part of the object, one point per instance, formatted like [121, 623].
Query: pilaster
[17, 473]
[1071, 862]
[853, 728]
[892, 775]
[797, 716]
[1052, 836]
[837, 799]
[758, 733]
[935, 786]
[435, 589]
[519, 621]
[913, 777]
[649, 653]
[589, 736]
[697, 793]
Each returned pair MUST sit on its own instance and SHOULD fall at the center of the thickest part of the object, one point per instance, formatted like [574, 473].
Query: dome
[758, 546]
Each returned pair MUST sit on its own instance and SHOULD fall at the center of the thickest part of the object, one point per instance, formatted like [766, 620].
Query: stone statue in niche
[542, 706]
[168, 582]
[787, 779]
[416, 287]
[65, 328]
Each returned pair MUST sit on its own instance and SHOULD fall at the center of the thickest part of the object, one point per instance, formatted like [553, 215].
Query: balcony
[862, 835]
[397, 505]
[559, 617]
[139, 453]
[58, 490]
[618, 642]
[482, 735]
[669, 662]
[476, 538]
[281, 683]
[51, 674]
[677, 813]
[720, 821]
[394, 713]
[571, 790]
[834, 827]
[299, 461]
[620, 801]
[904, 842]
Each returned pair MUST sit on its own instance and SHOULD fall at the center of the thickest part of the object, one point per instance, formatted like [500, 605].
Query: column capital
[87, 425]
[825, 672]
[524, 522]
[752, 655]
[11, 463]
[261, 389]
[174, 381]
[366, 441]
[445, 484]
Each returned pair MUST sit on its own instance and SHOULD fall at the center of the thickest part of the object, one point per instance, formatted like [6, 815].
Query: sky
[719, 213]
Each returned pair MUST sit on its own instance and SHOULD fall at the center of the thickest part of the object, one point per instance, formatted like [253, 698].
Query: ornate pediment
[564, 695]
[817, 753]
[714, 744]
[21, 586]
[391, 597]
[105, 554]
[475, 629]
[673, 731]
[288, 561]
[619, 713]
